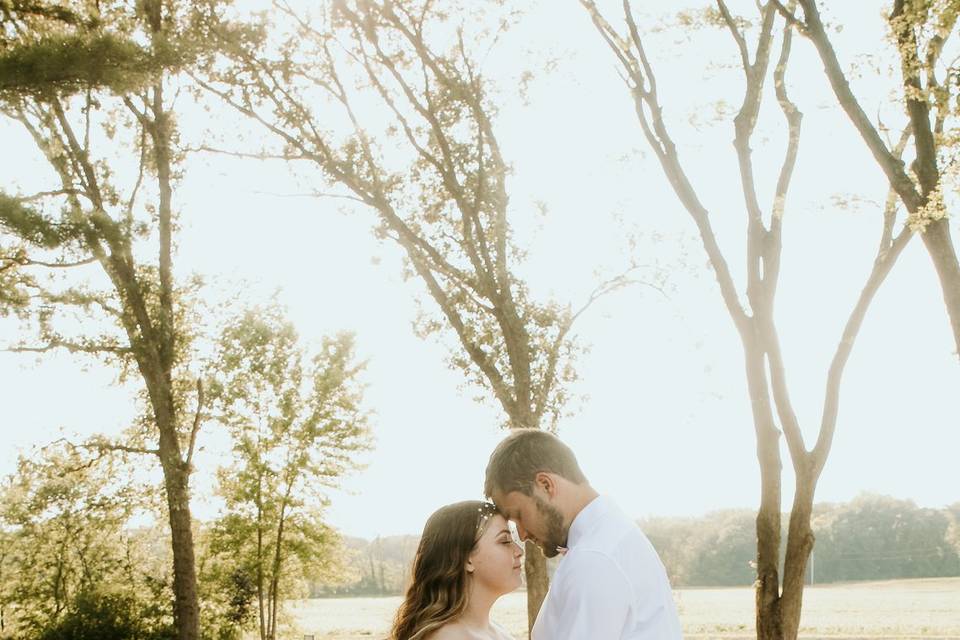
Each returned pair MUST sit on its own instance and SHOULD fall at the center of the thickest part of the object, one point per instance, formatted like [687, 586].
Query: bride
[467, 558]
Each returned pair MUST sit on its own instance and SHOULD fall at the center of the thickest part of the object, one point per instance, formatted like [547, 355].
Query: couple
[609, 585]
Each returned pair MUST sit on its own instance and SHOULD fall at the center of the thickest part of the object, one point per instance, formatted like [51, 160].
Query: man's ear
[546, 481]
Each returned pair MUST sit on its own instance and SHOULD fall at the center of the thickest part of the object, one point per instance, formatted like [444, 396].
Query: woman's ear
[469, 566]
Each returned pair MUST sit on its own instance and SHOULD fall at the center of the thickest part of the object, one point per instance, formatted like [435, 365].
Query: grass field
[928, 608]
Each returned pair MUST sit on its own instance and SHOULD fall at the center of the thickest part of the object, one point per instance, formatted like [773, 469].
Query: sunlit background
[662, 420]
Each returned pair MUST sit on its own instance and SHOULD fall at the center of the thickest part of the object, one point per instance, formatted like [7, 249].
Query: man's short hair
[522, 455]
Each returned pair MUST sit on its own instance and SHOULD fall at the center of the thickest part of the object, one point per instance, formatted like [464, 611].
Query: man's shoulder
[587, 563]
[614, 535]
[619, 543]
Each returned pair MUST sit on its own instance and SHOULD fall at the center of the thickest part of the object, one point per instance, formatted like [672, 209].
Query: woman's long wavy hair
[438, 590]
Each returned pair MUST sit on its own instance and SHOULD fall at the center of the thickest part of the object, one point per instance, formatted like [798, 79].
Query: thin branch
[47, 194]
[72, 347]
[54, 265]
[925, 164]
[737, 36]
[102, 445]
[659, 139]
[891, 165]
[890, 207]
[771, 259]
[140, 171]
[196, 424]
[141, 116]
[79, 156]
[247, 155]
[606, 287]
[610, 36]
[641, 51]
[831, 404]
[790, 17]
[477, 355]
[312, 194]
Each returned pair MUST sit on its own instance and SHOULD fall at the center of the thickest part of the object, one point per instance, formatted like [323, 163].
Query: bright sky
[665, 425]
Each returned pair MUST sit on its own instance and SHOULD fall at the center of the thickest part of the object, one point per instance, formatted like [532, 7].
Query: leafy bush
[103, 616]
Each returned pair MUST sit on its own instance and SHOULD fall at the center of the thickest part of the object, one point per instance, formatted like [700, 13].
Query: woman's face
[495, 562]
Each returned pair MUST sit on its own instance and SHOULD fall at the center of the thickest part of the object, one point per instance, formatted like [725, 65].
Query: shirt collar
[587, 519]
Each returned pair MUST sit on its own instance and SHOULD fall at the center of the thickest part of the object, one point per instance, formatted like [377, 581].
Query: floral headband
[486, 510]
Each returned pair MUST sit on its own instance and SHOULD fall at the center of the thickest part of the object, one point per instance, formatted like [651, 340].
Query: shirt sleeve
[594, 600]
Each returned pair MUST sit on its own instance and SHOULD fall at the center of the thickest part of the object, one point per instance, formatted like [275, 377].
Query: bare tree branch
[890, 164]
[659, 139]
[72, 347]
[737, 36]
[772, 248]
[196, 425]
[103, 445]
[53, 265]
[789, 15]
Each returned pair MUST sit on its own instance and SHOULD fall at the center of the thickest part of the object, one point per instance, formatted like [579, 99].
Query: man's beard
[555, 535]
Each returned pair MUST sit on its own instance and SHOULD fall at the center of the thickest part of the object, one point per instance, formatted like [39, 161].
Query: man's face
[537, 520]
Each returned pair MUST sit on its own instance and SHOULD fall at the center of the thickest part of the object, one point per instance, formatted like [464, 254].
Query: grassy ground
[901, 609]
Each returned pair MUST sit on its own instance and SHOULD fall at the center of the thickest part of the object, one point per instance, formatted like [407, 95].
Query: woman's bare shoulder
[455, 631]
[450, 631]
[503, 633]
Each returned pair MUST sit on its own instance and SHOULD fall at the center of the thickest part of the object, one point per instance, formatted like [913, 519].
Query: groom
[610, 583]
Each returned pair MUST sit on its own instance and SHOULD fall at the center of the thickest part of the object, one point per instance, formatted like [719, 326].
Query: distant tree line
[375, 567]
[872, 537]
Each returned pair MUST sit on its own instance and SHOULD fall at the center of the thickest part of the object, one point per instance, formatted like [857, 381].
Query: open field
[926, 608]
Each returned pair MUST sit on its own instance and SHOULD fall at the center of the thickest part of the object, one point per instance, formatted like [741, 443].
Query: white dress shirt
[610, 584]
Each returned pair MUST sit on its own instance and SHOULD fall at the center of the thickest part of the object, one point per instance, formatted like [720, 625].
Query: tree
[777, 610]
[434, 176]
[921, 29]
[14, 295]
[295, 427]
[879, 538]
[69, 550]
[90, 82]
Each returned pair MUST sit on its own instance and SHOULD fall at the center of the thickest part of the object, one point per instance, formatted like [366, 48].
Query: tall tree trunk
[800, 541]
[176, 476]
[939, 245]
[277, 563]
[535, 563]
[260, 594]
[768, 614]
[535, 568]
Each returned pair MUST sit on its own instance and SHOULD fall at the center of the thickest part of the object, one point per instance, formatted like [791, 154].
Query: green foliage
[878, 537]
[32, 226]
[715, 550]
[869, 538]
[76, 62]
[375, 568]
[106, 616]
[422, 153]
[14, 296]
[69, 555]
[295, 424]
